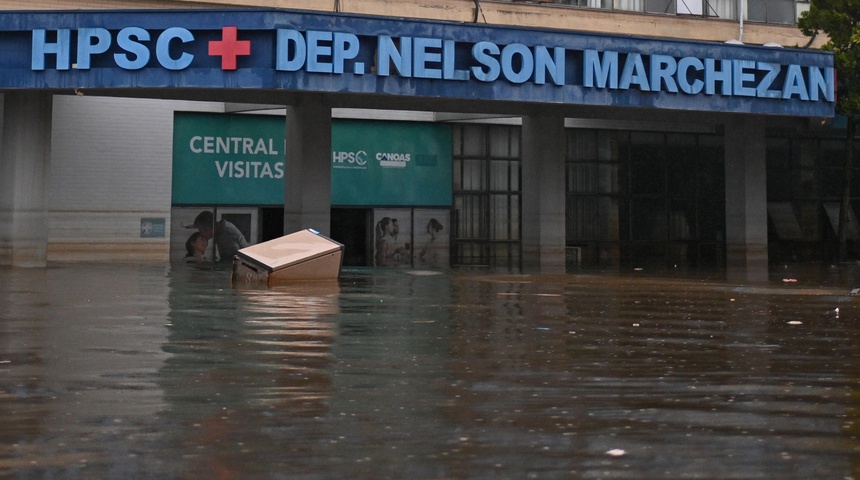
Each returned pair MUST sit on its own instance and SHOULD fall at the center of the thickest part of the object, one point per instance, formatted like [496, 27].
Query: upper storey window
[765, 11]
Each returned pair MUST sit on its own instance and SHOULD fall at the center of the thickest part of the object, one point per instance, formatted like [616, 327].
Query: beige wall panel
[99, 4]
[111, 166]
[493, 12]
[119, 252]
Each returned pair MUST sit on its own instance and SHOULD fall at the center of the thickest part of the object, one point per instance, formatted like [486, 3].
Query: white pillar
[308, 166]
[543, 196]
[746, 197]
[24, 176]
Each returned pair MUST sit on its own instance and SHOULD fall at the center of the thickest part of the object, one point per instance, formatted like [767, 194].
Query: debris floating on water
[423, 273]
[616, 452]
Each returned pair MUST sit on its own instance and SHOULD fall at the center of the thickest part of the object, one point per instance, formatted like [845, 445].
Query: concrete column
[308, 166]
[24, 176]
[746, 198]
[543, 199]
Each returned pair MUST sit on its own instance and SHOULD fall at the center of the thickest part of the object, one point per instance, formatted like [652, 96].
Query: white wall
[111, 166]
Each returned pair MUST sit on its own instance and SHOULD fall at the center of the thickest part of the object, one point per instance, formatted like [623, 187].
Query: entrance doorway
[351, 227]
[271, 223]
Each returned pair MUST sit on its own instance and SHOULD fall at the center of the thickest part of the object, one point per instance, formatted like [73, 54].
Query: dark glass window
[486, 195]
[772, 11]
[645, 198]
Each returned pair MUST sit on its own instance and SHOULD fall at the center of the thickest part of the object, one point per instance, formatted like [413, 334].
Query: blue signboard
[279, 49]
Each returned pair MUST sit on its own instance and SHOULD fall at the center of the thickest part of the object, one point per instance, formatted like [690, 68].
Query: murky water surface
[169, 373]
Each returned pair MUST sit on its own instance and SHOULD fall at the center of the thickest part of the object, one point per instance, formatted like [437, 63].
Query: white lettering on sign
[323, 52]
[395, 160]
[252, 169]
[340, 159]
[233, 145]
[690, 75]
[134, 42]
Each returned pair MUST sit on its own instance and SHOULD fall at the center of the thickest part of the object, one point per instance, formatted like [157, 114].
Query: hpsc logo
[349, 159]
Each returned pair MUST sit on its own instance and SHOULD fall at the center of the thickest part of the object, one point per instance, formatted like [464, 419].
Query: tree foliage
[840, 21]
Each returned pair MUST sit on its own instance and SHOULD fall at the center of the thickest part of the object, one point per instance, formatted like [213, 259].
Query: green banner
[228, 159]
[391, 164]
[233, 159]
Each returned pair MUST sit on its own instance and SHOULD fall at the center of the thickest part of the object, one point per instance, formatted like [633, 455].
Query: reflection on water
[243, 363]
[151, 372]
[688, 381]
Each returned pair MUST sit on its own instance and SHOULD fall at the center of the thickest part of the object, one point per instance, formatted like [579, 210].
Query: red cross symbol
[228, 48]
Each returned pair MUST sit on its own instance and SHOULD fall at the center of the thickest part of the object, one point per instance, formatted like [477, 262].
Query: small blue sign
[152, 227]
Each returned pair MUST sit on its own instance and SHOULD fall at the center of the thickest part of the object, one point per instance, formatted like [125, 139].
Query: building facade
[542, 172]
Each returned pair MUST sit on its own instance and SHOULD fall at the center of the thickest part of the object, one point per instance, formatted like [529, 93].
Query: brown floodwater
[170, 373]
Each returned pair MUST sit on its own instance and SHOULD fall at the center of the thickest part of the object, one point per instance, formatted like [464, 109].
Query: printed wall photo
[405, 237]
[432, 227]
[197, 238]
[392, 237]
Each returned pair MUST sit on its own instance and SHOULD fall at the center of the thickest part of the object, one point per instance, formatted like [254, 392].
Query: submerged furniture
[300, 256]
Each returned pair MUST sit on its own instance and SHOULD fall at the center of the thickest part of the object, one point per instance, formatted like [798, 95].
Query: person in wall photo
[227, 237]
[429, 251]
[197, 249]
[384, 238]
[388, 251]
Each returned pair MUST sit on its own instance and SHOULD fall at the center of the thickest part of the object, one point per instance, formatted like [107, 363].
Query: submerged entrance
[351, 227]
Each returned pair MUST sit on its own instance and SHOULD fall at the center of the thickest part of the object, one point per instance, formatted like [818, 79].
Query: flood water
[170, 373]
